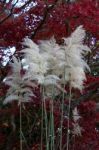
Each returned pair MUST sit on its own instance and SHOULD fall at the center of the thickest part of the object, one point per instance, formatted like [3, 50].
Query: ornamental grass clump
[51, 67]
[49, 60]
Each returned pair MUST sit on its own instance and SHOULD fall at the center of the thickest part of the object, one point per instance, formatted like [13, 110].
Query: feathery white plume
[19, 84]
[76, 127]
[43, 62]
[29, 43]
[76, 115]
[39, 61]
[36, 62]
[75, 64]
[76, 37]
[76, 77]
[16, 65]
[56, 55]
[49, 46]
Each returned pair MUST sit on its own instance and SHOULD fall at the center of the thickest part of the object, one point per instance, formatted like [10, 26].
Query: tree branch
[46, 12]
[27, 3]
[84, 98]
[11, 12]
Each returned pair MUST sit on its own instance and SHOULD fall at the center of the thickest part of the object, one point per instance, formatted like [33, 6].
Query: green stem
[46, 121]
[46, 124]
[52, 126]
[62, 107]
[20, 126]
[52, 120]
[74, 143]
[25, 140]
[62, 112]
[68, 118]
[42, 125]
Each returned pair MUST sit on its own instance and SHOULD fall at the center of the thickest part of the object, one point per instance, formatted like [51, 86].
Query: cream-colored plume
[19, 89]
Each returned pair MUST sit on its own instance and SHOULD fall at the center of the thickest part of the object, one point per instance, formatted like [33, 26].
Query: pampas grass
[50, 66]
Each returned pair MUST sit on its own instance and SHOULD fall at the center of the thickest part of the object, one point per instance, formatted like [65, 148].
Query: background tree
[40, 20]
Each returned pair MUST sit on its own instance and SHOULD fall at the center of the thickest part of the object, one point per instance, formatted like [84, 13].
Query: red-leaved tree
[40, 20]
